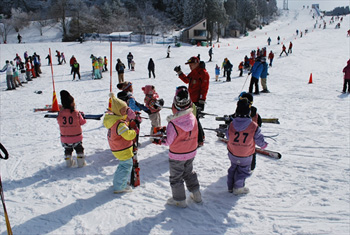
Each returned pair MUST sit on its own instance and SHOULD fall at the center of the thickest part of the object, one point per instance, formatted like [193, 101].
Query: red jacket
[198, 80]
[346, 71]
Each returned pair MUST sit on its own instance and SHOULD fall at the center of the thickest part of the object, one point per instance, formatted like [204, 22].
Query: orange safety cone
[55, 107]
[218, 45]
[213, 45]
[237, 47]
[310, 79]
[229, 44]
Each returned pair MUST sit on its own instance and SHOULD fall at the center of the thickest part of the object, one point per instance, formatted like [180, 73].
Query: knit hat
[66, 99]
[148, 89]
[117, 104]
[243, 108]
[247, 96]
[182, 99]
[123, 95]
[193, 59]
[124, 86]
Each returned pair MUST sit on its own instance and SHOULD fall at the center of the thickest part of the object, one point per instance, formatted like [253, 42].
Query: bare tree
[59, 10]
[19, 19]
[5, 28]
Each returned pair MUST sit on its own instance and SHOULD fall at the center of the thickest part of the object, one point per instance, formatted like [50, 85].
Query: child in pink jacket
[70, 121]
[182, 139]
[154, 105]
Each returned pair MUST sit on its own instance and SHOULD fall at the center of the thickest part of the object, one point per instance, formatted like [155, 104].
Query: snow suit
[120, 139]
[71, 132]
[120, 67]
[217, 72]
[182, 133]
[198, 85]
[256, 72]
[263, 76]
[129, 57]
[346, 72]
[9, 76]
[242, 136]
[151, 103]
[150, 68]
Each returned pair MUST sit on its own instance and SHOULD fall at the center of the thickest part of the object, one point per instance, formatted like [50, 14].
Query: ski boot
[81, 160]
[69, 161]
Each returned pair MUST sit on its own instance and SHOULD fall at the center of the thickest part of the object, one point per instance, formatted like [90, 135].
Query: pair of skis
[220, 133]
[264, 120]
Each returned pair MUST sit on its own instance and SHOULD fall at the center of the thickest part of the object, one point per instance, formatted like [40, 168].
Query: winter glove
[249, 73]
[200, 105]
[177, 69]
[265, 145]
[133, 126]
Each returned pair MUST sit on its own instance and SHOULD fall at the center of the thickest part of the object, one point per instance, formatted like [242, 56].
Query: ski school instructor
[198, 85]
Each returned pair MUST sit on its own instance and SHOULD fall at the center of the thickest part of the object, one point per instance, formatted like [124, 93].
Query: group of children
[123, 123]
[18, 72]
[99, 65]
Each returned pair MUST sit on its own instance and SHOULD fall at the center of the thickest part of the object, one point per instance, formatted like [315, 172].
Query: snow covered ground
[305, 192]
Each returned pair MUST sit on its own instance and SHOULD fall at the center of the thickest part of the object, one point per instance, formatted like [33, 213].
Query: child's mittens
[133, 126]
[265, 145]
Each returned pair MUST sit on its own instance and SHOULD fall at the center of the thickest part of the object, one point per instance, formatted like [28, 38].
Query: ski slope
[305, 192]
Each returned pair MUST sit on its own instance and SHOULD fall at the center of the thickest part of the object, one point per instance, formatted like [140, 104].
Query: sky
[325, 5]
[307, 191]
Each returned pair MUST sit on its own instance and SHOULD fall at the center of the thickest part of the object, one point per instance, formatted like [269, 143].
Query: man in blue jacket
[256, 72]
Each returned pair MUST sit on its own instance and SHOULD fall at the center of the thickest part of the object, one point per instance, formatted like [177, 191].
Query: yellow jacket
[120, 137]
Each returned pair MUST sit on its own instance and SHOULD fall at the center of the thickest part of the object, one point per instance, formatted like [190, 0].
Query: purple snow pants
[238, 172]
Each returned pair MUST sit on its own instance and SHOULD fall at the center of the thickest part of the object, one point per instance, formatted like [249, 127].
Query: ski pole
[8, 226]
[244, 83]
[4, 152]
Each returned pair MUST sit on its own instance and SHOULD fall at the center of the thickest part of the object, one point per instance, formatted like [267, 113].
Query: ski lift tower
[285, 4]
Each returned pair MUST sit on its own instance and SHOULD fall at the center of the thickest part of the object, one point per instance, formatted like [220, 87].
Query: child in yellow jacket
[120, 139]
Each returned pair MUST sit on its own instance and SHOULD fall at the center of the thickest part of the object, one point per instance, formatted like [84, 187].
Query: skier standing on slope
[70, 121]
[198, 85]
[120, 138]
[256, 72]
[346, 72]
[181, 137]
[242, 135]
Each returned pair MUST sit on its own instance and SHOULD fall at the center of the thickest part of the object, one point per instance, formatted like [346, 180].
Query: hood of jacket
[110, 119]
[240, 123]
[183, 119]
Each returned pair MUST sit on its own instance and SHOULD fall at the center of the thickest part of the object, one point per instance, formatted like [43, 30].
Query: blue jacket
[264, 71]
[257, 69]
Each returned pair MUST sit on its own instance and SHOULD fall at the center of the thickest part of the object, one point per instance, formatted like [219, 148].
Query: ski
[269, 153]
[85, 116]
[220, 133]
[47, 107]
[264, 120]
[270, 120]
[135, 172]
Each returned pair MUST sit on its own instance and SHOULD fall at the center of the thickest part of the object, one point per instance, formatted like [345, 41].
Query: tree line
[155, 17]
